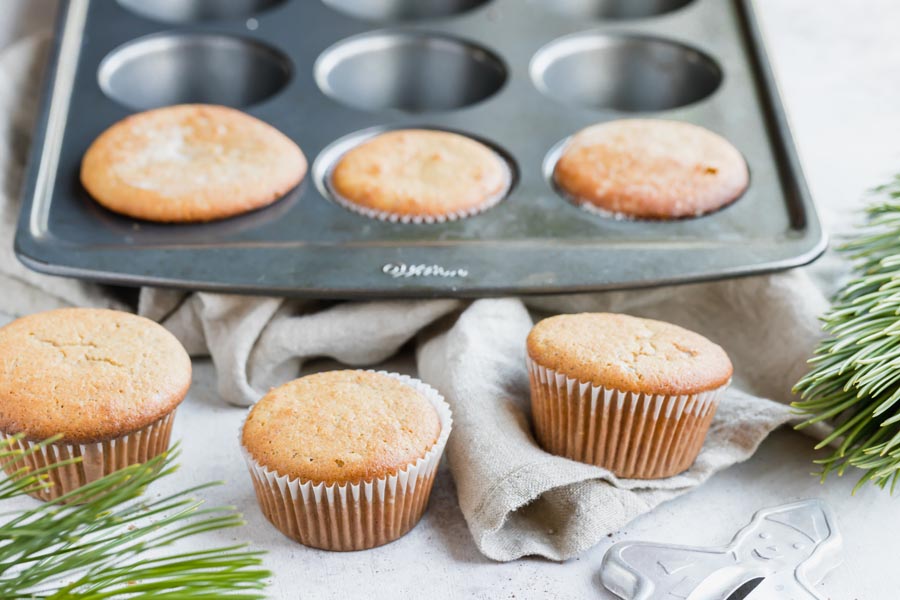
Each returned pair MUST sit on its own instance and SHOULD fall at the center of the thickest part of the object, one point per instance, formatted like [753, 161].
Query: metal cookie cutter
[780, 555]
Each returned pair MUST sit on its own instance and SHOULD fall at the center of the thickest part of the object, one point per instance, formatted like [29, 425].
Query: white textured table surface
[839, 66]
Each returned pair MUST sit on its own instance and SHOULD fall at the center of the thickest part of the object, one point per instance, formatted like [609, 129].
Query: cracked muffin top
[88, 374]
[421, 173]
[341, 427]
[651, 169]
[629, 354]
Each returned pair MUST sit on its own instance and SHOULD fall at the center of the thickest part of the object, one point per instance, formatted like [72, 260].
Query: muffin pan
[520, 75]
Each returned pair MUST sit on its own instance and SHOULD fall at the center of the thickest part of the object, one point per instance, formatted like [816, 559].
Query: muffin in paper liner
[98, 459]
[421, 219]
[650, 169]
[633, 435]
[353, 516]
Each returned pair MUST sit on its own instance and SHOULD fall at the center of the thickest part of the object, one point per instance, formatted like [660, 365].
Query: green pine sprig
[113, 544]
[854, 382]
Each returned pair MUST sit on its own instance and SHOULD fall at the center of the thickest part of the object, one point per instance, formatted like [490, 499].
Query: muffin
[420, 176]
[651, 169]
[192, 162]
[634, 396]
[345, 460]
[108, 382]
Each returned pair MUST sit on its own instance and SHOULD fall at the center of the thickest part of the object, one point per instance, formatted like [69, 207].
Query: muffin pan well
[408, 71]
[164, 69]
[403, 10]
[519, 75]
[188, 11]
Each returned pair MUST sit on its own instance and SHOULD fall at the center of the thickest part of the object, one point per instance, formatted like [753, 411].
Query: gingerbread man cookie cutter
[786, 549]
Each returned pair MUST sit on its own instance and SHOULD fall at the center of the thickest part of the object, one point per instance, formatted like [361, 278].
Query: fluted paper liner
[633, 435]
[383, 215]
[98, 459]
[353, 516]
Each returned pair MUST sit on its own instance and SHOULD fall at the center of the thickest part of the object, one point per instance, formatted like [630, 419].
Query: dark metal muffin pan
[522, 75]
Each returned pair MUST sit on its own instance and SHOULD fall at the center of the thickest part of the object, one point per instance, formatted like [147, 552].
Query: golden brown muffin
[651, 169]
[108, 382]
[634, 396]
[192, 162]
[629, 354]
[346, 460]
[341, 426]
[418, 174]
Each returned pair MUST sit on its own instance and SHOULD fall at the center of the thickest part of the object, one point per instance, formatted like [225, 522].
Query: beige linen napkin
[517, 499]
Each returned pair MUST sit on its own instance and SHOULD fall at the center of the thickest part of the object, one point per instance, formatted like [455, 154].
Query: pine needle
[855, 378]
[115, 545]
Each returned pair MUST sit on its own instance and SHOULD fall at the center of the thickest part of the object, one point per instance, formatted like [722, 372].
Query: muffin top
[629, 354]
[192, 162]
[420, 172]
[341, 427]
[651, 169]
[88, 374]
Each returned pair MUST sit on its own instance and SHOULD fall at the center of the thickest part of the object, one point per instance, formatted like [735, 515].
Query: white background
[839, 67]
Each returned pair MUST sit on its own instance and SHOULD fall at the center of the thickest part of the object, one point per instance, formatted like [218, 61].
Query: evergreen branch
[855, 378]
[111, 545]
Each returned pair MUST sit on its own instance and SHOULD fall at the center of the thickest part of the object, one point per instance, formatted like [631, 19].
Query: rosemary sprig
[855, 378]
[113, 546]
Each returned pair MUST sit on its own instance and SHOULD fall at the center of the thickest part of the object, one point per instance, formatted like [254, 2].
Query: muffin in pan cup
[106, 382]
[420, 176]
[634, 396]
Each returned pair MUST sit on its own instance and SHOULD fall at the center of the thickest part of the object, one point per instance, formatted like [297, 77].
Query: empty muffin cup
[408, 71]
[190, 68]
[190, 11]
[403, 10]
[623, 72]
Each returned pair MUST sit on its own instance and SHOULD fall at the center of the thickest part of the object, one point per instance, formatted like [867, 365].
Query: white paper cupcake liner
[635, 436]
[424, 219]
[98, 459]
[419, 219]
[353, 516]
